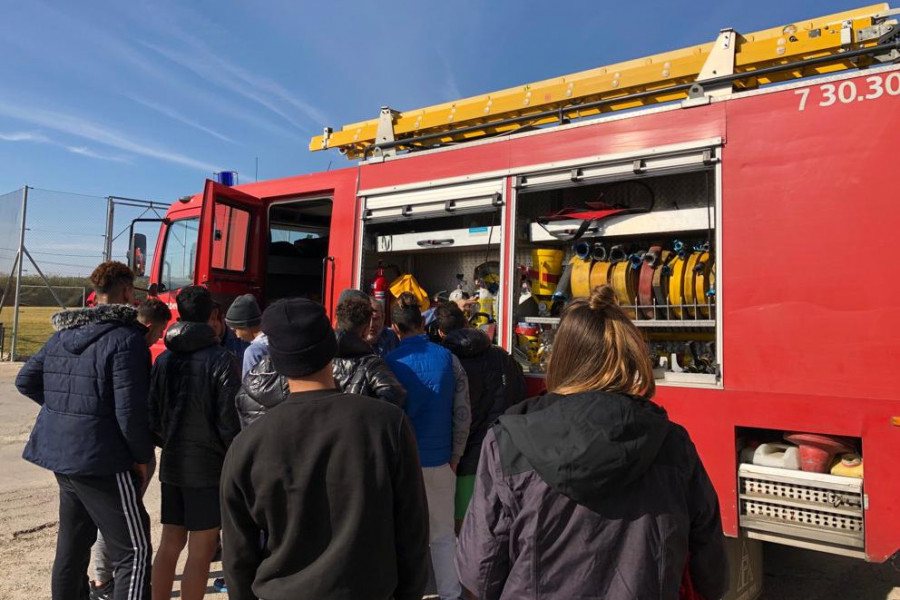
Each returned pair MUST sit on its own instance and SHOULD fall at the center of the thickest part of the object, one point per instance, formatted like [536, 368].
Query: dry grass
[34, 328]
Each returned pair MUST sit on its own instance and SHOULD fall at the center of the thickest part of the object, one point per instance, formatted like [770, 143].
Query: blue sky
[147, 99]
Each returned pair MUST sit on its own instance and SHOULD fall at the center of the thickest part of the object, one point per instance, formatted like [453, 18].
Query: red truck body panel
[810, 300]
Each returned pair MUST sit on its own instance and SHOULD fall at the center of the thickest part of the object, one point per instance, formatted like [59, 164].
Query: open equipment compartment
[644, 224]
[441, 235]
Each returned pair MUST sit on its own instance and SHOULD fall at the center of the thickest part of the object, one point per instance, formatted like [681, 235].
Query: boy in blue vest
[437, 404]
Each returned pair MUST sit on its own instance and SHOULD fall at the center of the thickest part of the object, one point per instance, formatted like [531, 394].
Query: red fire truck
[739, 196]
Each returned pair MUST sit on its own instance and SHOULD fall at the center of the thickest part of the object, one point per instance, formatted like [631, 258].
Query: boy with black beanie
[331, 480]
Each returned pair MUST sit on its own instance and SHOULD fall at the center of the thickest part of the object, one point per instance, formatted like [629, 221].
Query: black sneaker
[103, 592]
[220, 586]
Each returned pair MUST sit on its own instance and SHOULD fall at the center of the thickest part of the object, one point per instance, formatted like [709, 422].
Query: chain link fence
[64, 237]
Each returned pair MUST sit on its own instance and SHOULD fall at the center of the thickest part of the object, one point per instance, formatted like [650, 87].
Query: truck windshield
[179, 254]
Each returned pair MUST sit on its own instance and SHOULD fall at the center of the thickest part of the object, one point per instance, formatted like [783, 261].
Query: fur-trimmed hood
[104, 313]
[79, 328]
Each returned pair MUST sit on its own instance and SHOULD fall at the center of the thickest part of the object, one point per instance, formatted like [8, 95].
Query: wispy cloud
[89, 130]
[262, 90]
[449, 85]
[108, 50]
[174, 114]
[85, 151]
[24, 136]
[39, 138]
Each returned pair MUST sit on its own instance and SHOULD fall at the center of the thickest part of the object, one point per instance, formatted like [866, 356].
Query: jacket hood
[467, 343]
[185, 336]
[81, 327]
[351, 345]
[585, 446]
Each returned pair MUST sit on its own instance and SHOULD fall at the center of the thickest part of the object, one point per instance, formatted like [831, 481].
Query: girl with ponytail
[597, 347]
[590, 490]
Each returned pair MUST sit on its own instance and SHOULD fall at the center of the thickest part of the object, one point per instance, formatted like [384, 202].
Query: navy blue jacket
[426, 372]
[91, 379]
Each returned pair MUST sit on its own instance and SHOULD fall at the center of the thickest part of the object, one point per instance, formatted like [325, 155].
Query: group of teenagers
[349, 461]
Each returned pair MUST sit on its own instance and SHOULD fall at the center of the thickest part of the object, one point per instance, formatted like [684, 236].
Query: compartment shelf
[650, 323]
[652, 223]
[801, 508]
[468, 238]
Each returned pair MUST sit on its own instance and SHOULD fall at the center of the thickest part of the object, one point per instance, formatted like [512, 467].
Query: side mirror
[137, 254]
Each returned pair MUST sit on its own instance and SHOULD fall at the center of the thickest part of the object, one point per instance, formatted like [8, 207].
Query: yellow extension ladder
[846, 40]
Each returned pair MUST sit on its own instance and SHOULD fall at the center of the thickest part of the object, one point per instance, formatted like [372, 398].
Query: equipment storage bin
[647, 225]
[809, 510]
[441, 235]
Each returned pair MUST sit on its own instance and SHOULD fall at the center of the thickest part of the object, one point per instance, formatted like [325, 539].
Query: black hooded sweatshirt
[592, 495]
[496, 382]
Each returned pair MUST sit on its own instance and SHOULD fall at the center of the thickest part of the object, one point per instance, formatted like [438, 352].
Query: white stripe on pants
[109, 503]
[140, 544]
[440, 489]
[103, 565]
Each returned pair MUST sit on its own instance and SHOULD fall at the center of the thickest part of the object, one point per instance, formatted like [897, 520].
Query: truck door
[232, 236]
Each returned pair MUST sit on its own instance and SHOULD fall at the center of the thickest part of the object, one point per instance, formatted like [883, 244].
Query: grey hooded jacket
[592, 495]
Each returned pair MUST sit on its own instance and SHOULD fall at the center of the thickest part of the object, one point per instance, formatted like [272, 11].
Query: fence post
[15, 331]
[110, 216]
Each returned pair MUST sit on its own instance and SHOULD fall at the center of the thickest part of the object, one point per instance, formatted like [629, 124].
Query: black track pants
[113, 504]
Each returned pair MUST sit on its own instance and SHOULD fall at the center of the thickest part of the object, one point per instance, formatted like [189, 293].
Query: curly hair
[111, 276]
[354, 313]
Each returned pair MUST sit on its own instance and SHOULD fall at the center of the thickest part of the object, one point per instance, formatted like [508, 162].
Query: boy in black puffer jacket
[193, 419]
[357, 369]
[496, 382]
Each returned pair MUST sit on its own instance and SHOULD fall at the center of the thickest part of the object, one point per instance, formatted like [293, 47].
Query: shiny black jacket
[358, 370]
[496, 382]
[261, 390]
[192, 413]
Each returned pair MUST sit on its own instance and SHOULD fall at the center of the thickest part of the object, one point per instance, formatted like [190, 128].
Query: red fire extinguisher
[380, 286]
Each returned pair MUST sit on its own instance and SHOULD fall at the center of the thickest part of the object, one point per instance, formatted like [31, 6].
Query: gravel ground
[29, 504]
[28, 513]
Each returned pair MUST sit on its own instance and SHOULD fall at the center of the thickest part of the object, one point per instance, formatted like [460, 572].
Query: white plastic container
[777, 454]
